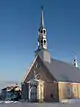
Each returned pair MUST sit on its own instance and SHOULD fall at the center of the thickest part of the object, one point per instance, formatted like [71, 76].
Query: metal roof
[63, 71]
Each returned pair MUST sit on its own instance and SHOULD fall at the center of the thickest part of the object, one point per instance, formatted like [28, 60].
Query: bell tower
[42, 49]
[42, 40]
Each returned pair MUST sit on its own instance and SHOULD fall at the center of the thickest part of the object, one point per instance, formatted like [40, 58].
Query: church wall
[76, 90]
[44, 75]
[25, 92]
[68, 90]
[79, 90]
[41, 91]
[51, 92]
[63, 92]
[41, 70]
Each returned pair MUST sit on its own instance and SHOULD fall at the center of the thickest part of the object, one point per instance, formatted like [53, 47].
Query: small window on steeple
[41, 44]
[41, 41]
[44, 41]
[44, 31]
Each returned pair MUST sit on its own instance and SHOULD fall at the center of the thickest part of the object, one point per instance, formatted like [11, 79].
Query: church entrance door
[33, 93]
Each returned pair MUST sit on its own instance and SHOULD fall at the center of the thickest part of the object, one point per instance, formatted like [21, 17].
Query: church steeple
[42, 40]
[42, 50]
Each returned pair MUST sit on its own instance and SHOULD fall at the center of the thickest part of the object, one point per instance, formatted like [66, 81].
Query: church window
[41, 44]
[41, 41]
[74, 89]
[44, 31]
[69, 91]
[44, 41]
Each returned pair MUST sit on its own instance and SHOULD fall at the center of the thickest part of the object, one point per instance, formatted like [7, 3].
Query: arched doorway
[33, 90]
[33, 93]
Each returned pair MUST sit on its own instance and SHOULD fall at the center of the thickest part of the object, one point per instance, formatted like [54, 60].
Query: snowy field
[19, 104]
[65, 103]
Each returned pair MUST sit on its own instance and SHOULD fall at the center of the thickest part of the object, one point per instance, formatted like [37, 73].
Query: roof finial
[42, 18]
[75, 61]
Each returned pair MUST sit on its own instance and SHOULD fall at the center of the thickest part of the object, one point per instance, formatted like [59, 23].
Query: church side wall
[62, 89]
[50, 92]
[68, 90]
[76, 90]
[79, 90]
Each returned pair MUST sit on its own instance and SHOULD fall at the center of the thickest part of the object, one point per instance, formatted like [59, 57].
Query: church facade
[48, 79]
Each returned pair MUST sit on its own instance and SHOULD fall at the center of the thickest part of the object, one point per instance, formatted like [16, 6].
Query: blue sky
[19, 23]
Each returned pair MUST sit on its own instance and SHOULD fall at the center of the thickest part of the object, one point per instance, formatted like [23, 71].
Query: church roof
[63, 71]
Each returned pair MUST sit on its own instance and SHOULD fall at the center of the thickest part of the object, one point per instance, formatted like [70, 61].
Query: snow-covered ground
[70, 103]
[40, 105]
[8, 102]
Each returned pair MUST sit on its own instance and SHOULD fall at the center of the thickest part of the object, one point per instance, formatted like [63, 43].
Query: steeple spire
[42, 40]
[42, 50]
[42, 18]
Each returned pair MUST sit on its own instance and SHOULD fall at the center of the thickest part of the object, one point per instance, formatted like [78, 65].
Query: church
[48, 79]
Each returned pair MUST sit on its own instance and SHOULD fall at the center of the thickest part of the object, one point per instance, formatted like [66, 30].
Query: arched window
[44, 31]
[41, 41]
[44, 42]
